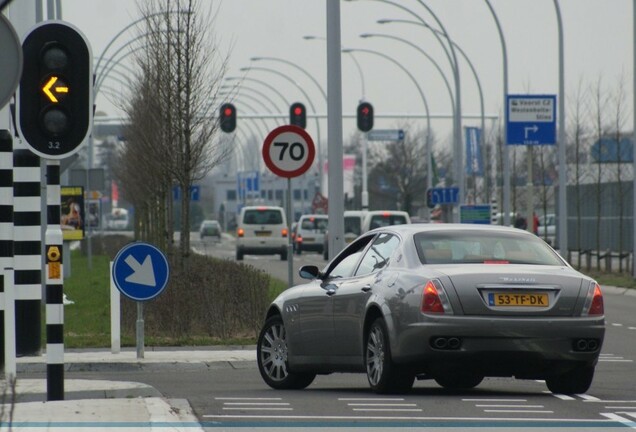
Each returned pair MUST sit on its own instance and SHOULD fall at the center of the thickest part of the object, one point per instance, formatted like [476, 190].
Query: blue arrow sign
[140, 271]
[531, 119]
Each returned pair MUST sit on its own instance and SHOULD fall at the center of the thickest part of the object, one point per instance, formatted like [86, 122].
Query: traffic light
[365, 116]
[56, 94]
[227, 117]
[298, 115]
[429, 199]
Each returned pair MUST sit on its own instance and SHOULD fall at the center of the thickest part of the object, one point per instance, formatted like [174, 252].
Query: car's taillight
[434, 299]
[594, 301]
[284, 232]
[240, 232]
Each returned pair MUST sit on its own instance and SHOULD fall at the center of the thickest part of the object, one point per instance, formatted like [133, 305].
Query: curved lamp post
[429, 159]
[261, 82]
[461, 51]
[242, 89]
[506, 161]
[352, 56]
[452, 58]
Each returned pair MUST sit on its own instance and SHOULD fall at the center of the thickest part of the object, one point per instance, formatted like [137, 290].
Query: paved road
[234, 395]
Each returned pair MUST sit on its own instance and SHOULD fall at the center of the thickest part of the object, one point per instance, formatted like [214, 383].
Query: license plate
[263, 233]
[518, 299]
[309, 239]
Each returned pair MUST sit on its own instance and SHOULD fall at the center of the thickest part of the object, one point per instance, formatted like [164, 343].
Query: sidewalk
[100, 404]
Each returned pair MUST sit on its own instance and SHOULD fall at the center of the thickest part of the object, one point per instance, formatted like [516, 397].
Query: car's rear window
[352, 224]
[378, 221]
[263, 217]
[466, 247]
[314, 223]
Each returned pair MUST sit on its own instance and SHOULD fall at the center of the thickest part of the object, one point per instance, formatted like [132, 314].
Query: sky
[598, 38]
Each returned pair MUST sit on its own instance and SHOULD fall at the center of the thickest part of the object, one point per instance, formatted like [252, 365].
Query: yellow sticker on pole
[55, 270]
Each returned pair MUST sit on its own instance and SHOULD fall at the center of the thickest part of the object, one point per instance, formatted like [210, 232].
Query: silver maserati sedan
[449, 302]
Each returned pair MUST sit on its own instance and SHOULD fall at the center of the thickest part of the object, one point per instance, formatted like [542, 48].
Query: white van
[381, 218]
[261, 230]
[310, 233]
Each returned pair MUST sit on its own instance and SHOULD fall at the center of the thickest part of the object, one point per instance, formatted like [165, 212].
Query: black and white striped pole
[54, 285]
[7, 303]
[56, 114]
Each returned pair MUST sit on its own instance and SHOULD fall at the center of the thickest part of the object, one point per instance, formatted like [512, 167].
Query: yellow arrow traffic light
[57, 89]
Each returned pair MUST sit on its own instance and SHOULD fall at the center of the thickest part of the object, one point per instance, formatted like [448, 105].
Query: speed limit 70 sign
[288, 151]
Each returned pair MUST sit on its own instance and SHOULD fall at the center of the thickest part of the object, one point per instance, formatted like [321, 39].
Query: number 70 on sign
[288, 151]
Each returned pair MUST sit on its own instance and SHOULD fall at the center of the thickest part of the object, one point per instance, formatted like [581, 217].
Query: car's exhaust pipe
[446, 343]
[586, 345]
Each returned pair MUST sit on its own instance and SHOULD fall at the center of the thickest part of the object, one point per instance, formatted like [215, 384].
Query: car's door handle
[366, 288]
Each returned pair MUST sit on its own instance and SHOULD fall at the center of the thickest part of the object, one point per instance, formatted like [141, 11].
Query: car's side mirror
[309, 272]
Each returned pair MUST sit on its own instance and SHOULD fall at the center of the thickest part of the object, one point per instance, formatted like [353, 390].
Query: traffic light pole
[54, 286]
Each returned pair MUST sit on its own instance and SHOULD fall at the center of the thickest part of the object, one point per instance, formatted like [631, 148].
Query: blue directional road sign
[140, 271]
[531, 119]
[442, 196]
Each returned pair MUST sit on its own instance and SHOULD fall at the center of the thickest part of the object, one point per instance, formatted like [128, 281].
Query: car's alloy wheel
[382, 374]
[575, 381]
[271, 352]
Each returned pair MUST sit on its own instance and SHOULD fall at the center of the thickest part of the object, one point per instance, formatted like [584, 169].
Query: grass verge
[87, 320]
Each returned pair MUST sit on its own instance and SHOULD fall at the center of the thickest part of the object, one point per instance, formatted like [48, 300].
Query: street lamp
[352, 56]
[429, 177]
[261, 82]
[452, 58]
[506, 161]
[461, 51]
[429, 159]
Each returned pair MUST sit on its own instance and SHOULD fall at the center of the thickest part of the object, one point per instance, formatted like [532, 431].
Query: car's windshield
[313, 223]
[457, 247]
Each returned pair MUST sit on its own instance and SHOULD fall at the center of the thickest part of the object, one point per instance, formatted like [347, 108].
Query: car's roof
[317, 215]
[411, 229]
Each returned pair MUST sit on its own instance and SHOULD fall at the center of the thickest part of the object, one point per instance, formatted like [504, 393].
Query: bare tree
[172, 123]
[599, 108]
[403, 165]
[619, 118]
[578, 132]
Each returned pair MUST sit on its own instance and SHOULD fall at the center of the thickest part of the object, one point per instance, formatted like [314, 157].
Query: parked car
[450, 302]
[210, 228]
[310, 233]
[261, 230]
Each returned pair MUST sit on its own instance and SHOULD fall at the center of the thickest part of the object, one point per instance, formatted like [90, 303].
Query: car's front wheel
[382, 374]
[271, 354]
[575, 381]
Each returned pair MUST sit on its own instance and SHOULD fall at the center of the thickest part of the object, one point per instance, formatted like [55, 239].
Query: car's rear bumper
[500, 347]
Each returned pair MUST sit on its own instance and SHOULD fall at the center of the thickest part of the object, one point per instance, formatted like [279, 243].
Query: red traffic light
[365, 116]
[227, 118]
[298, 115]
